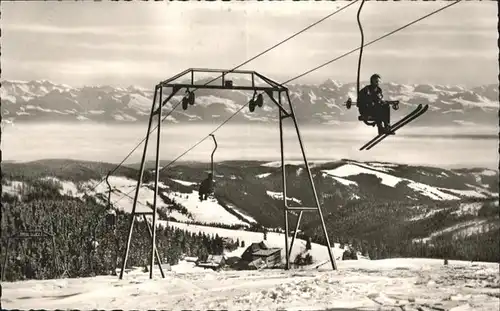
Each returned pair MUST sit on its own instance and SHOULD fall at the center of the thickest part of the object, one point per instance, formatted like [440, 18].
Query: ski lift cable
[361, 49]
[244, 63]
[285, 40]
[373, 41]
[309, 71]
[312, 70]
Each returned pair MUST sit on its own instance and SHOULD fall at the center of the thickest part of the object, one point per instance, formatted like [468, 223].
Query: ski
[416, 110]
[400, 125]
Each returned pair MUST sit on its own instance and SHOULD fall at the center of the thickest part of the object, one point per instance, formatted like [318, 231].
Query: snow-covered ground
[382, 171]
[123, 193]
[263, 175]
[435, 193]
[208, 211]
[312, 164]
[465, 228]
[279, 196]
[13, 188]
[393, 284]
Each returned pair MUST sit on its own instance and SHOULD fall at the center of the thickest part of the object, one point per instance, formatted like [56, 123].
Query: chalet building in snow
[214, 262]
[260, 254]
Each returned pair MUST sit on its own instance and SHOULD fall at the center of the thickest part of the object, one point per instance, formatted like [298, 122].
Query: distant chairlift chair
[207, 185]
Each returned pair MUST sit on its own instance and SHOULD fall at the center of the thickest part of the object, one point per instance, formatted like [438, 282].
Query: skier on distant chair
[206, 187]
[372, 107]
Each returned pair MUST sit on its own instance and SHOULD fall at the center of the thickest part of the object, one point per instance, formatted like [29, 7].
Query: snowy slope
[123, 193]
[351, 169]
[394, 284]
[209, 211]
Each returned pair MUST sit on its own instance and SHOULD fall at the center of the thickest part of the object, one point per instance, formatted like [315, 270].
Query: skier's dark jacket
[369, 97]
[206, 186]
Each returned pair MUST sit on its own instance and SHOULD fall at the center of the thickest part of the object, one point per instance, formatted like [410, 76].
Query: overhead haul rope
[361, 49]
[278, 44]
[373, 41]
[314, 69]
[244, 63]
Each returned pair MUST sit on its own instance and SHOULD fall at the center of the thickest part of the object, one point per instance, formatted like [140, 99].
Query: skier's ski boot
[387, 130]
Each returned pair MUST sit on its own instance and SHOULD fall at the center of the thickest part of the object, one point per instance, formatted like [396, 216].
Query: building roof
[266, 252]
[215, 258]
[254, 247]
[212, 261]
[264, 245]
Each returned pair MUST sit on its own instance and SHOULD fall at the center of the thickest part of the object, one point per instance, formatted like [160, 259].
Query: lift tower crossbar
[256, 82]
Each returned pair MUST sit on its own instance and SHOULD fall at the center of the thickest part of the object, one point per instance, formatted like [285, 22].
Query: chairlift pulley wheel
[260, 100]
[191, 98]
[348, 103]
[251, 106]
[188, 99]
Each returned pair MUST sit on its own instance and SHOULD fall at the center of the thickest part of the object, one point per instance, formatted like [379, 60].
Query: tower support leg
[138, 187]
[154, 253]
[313, 188]
[283, 172]
[155, 195]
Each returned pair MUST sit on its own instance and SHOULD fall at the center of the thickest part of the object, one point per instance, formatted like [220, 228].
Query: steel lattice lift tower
[276, 93]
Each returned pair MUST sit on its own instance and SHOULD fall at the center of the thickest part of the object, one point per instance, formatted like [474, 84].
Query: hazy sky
[141, 43]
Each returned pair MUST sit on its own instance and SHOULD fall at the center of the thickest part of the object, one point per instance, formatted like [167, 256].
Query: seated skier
[206, 187]
[372, 106]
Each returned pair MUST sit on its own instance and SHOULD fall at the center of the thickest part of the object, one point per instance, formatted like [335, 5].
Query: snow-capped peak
[317, 104]
[331, 84]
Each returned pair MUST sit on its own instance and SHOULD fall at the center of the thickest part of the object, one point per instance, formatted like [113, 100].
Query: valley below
[401, 220]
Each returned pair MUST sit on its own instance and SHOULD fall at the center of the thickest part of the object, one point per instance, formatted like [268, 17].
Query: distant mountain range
[44, 101]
